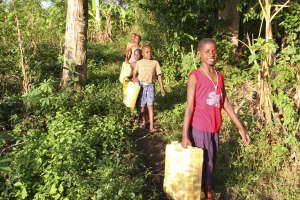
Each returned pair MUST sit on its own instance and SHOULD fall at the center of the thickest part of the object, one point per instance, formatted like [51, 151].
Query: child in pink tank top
[206, 97]
[136, 46]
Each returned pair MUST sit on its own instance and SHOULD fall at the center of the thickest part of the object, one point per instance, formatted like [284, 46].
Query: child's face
[132, 37]
[147, 53]
[137, 55]
[137, 39]
[208, 54]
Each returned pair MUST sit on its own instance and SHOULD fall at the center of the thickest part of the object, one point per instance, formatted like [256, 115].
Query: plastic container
[131, 94]
[125, 71]
[125, 83]
[183, 172]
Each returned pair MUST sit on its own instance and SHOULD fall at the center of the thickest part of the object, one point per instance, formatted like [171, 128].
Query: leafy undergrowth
[74, 144]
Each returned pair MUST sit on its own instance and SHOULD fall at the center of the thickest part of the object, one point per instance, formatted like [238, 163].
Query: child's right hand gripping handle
[185, 142]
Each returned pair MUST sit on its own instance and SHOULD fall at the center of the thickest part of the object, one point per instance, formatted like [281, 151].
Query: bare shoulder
[192, 80]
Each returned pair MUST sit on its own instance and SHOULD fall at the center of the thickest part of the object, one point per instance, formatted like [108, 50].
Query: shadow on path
[153, 147]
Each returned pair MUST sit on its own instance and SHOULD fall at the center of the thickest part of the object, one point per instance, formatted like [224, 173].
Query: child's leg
[207, 191]
[143, 117]
[209, 142]
[151, 116]
[147, 98]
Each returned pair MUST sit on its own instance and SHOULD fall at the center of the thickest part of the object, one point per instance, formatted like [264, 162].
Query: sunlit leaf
[252, 58]
[18, 184]
[255, 69]
[53, 189]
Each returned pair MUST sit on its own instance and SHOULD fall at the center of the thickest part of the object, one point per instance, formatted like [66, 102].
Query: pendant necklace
[215, 86]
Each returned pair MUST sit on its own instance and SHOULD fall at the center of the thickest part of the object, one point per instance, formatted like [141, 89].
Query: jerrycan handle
[179, 144]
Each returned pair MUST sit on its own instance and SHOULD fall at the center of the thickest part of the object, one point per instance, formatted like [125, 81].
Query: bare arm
[162, 89]
[134, 78]
[128, 53]
[191, 88]
[230, 112]
[135, 74]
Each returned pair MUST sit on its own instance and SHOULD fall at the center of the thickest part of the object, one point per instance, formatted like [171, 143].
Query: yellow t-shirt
[147, 70]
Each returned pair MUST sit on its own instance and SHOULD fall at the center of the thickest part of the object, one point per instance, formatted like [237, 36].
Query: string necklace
[215, 86]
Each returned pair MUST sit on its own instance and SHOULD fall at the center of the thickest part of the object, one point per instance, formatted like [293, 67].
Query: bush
[74, 144]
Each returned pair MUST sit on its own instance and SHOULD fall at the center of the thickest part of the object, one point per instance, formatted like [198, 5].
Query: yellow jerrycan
[125, 71]
[125, 83]
[183, 172]
[131, 94]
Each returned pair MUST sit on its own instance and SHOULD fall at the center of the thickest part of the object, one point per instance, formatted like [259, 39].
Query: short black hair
[136, 35]
[148, 46]
[204, 41]
[139, 50]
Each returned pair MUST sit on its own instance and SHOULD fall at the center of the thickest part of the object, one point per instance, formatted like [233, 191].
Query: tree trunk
[231, 13]
[25, 67]
[265, 102]
[75, 63]
[97, 14]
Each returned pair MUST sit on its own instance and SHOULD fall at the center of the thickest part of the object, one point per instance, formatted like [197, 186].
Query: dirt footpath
[153, 147]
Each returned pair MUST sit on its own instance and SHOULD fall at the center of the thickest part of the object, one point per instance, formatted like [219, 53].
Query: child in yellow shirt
[147, 71]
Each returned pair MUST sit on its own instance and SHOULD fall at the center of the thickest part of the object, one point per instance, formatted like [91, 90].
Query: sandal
[156, 130]
[142, 125]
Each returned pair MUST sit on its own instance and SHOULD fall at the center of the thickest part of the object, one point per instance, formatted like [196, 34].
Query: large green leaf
[5, 168]
[4, 160]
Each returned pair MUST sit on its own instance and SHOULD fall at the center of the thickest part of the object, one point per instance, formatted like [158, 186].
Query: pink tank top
[132, 59]
[208, 103]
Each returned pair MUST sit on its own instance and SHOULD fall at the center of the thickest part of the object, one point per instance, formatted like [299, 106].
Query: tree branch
[280, 8]
[263, 9]
[14, 145]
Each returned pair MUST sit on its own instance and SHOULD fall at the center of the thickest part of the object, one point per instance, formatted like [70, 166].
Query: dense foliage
[79, 144]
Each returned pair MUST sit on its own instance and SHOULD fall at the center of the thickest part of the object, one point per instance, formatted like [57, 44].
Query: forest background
[77, 142]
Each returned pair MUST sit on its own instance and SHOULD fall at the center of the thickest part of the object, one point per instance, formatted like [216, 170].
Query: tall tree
[97, 14]
[25, 67]
[75, 63]
[231, 13]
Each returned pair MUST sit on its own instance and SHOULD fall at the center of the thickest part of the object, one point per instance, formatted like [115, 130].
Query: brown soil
[153, 147]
